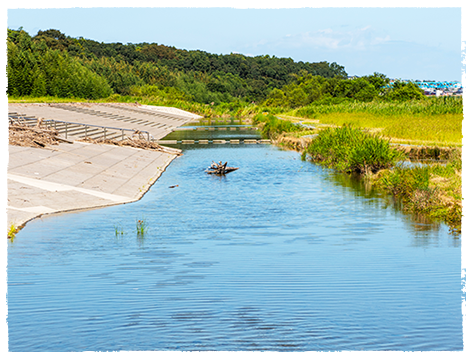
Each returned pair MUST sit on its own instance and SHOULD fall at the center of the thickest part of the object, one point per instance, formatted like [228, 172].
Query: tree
[404, 91]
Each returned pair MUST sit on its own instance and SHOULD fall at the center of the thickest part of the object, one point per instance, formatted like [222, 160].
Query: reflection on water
[211, 129]
[425, 231]
[280, 255]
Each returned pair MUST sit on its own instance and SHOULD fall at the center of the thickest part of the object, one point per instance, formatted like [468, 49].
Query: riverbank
[429, 121]
[78, 176]
[82, 171]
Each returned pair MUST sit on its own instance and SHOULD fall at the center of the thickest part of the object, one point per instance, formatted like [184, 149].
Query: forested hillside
[52, 63]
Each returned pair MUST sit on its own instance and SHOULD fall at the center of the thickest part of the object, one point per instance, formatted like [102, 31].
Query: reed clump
[141, 227]
[119, 230]
[351, 150]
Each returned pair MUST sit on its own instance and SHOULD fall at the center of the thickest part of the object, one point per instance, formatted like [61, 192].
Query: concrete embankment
[81, 175]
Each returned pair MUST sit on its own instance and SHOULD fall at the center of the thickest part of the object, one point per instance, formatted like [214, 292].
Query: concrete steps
[108, 115]
[75, 131]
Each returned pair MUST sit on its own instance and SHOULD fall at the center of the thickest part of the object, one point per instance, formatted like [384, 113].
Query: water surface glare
[280, 255]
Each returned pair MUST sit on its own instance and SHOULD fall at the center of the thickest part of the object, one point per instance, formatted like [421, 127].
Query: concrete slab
[77, 176]
[155, 120]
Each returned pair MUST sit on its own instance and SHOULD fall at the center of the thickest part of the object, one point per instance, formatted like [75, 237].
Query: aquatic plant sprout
[119, 230]
[141, 227]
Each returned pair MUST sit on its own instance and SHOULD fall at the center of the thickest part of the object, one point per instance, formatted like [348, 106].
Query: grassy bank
[431, 121]
[433, 190]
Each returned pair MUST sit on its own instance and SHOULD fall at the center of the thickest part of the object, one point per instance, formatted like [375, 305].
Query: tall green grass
[444, 130]
[350, 150]
[427, 106]
[430, 121]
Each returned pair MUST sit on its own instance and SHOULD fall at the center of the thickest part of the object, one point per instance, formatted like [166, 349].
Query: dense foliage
[35, 69]
[52, 64]
[317, 91]
[36, 65]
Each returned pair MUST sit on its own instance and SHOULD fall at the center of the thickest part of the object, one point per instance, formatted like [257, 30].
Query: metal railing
[69, 126]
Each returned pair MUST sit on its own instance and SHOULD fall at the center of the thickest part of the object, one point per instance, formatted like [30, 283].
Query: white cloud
[359, 39]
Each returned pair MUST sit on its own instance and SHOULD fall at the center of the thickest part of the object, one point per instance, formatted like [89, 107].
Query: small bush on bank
[352, 150]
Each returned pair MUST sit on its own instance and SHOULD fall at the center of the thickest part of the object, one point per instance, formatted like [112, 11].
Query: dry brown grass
[21, 135]
[135, 143]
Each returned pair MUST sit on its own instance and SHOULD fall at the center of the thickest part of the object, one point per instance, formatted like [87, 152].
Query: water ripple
[280, 255]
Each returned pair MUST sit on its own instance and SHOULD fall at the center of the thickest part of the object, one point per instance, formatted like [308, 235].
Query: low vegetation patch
[119, 230]
[430, 152]
[272, 126]
[442, 130]
[428, 121]
[291, 142]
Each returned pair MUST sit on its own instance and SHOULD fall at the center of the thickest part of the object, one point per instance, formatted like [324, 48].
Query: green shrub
[353, 150]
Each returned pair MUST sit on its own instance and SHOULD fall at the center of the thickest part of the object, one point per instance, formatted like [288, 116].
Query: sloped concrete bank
[80, 175]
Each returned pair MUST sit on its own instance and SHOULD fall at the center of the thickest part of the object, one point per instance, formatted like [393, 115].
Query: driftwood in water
[220, 169]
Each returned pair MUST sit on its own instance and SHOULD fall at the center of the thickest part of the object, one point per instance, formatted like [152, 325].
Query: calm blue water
[280, 255]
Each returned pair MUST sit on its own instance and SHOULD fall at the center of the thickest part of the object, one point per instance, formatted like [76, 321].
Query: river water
[281, 255]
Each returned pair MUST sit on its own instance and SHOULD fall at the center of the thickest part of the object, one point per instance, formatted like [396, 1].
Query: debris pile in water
[220, 169]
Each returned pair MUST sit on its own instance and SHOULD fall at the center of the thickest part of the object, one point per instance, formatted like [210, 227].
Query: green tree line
[308, 89]
[35, 69]
[51, 63]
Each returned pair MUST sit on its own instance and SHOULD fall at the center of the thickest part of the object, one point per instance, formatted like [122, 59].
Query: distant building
[440, 88]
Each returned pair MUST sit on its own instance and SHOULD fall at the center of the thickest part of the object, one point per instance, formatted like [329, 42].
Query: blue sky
[409, 43]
